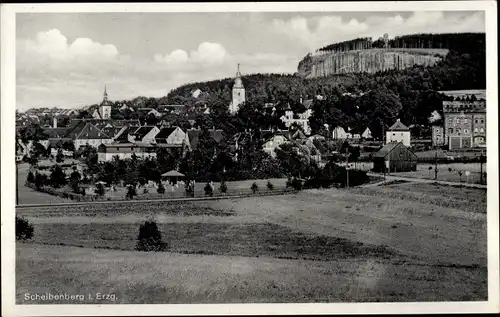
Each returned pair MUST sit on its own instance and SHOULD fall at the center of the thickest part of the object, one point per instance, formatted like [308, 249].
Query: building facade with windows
[464, 124]
[398, 132]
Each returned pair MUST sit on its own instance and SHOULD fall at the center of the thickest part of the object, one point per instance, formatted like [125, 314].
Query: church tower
[105, 107]
[238, 93]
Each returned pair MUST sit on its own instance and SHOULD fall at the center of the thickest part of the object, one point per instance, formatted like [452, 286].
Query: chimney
[54, 125]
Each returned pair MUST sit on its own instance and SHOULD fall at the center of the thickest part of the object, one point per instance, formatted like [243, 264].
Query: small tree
[59, 156]
[57, 177]
[31, 177]
[223, 187]
[149, 238]
[209, 190]
[160, 189]
[24, 229]
[254, 187]
[99, 189]
[131, 191]
[40, 180]
[270, 185]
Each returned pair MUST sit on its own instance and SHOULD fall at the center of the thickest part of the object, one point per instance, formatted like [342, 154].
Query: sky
[65, 59]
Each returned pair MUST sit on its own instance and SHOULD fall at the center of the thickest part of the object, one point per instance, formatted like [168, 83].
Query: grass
[160, 278]
[212, 238]
[364, 244]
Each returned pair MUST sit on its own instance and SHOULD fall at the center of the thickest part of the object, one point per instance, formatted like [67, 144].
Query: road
[423, 180]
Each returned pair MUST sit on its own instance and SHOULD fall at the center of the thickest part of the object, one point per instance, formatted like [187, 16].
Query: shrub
[161, 189]
[149, 238]
[270, 185]
[254, 187]
[208, 190]
[142, 181]
[131, 192]
[223, 187]
[31, 177]
[24, 229]
[296, 184]
[145, 191]
[99, 190]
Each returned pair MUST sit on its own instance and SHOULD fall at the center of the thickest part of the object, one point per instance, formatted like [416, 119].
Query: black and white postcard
[266, 157]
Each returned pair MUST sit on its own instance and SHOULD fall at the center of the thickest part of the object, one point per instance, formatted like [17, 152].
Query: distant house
[339, 133]
[173, 135]
[398, 132]
[302, 119]
[174, 109]
[394, 157]
[273, 142]
[155, 112]
[106, 152]
[146, 134]
[91, 135]
[196, 93]
[367, 134]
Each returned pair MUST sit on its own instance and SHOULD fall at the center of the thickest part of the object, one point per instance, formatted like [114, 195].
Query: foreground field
[394, 243]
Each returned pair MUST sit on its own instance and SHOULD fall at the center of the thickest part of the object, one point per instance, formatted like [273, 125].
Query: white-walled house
[339, 133]
[367, 134]
[172, 136]
[272, 143]
[106, 152]
[145, 134]
[302, 119]
[398, 132]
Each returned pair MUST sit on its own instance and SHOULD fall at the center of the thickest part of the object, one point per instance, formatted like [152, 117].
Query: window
[475, 129]
[482, 121]
[482, 130]
[466, 131]
[394, 134]
[477, 121]
[450, 130]
[465, 120]
[401, 133]
[458, 120]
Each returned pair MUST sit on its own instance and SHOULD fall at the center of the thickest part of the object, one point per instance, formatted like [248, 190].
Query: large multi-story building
[464, 123]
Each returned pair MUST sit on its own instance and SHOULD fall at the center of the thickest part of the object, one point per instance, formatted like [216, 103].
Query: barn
[394, 157]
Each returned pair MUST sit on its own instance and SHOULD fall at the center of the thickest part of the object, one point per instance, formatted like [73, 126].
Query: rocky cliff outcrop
[324, 63]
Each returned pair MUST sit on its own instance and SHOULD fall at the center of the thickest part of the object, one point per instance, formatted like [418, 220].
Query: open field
[444, 174]
[362, 244]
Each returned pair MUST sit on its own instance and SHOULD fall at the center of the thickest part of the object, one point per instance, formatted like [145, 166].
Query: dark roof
[388, 148]
[398, 126]
[56, 132]
[165, 133]
[142, 131]
[90, 131]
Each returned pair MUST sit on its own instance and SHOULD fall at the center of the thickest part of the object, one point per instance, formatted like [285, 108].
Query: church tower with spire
[238, 93]
[104, 110]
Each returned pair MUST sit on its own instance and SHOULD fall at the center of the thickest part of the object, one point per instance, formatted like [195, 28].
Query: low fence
[167, 195]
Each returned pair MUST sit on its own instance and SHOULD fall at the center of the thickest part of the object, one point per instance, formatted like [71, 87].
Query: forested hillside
[409, 94]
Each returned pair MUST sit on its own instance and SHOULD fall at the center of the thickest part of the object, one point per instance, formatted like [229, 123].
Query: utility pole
[481, 162]
[17, 183]
[347, 166]
[435, 166]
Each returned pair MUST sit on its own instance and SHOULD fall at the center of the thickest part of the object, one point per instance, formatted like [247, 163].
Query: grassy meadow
[400, 242]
